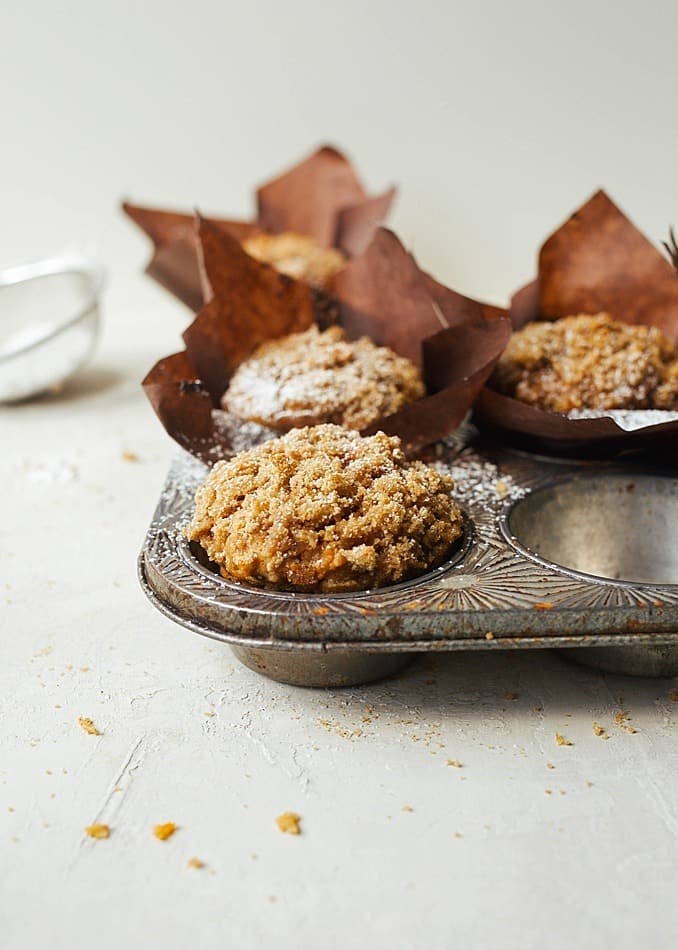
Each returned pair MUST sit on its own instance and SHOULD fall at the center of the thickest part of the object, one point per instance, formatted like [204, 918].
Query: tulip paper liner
[381, 294]
[597, 261]
[321, 197]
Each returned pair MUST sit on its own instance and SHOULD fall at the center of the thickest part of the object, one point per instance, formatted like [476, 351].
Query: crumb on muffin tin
[319, 376]
[589, 362]
[324, 509]
[297, 256]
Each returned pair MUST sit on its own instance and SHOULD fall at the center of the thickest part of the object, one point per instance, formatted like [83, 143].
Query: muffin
[324, 509]
[589, 362]
[316, 377]
[297, 256]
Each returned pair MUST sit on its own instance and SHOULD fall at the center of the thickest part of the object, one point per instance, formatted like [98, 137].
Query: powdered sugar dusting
[627, 419]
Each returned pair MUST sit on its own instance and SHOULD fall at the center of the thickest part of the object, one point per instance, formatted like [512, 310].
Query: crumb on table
[195, 863]
[622, 720]
[86, 723]
[289, 823]
[561, 740]
[98, 831]
[165, 831]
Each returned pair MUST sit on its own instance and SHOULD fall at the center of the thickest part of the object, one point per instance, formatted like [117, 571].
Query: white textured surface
[480, 110]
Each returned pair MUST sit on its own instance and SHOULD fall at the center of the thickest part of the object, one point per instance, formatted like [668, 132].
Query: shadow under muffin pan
[582, 555]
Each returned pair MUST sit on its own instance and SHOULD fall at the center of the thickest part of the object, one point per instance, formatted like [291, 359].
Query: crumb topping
[325, 509]
[589, 362]
[314, 377]
[297, 256]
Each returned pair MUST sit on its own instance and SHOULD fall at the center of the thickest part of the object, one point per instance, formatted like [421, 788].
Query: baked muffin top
[316, 377]
[589, 362]
[324, 509]
[297, 256]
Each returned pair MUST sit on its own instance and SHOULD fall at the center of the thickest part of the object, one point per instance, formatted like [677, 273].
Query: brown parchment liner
[597, 261]
[382, 293]
[321, 197]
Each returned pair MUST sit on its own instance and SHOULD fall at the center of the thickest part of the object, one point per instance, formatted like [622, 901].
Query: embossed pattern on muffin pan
[555, 554]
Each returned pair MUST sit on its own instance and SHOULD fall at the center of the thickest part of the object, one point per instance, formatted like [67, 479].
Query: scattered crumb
[84, 669]
[127, 456]
[288, 823]
[550, 765]
[98, 831]
[209, 713]
[508, 695]
[543, 605]
[622, 720]
[489, 635]
[501, 489]
[561, 740]
[539, 709]
[163, 832]
[458, 834]
[548, 791]
[562, 791]
[86, 723]
[48, 772]
[599, 731]
[9, 808]
[455, 763]
[196, 863]
[407, 808]
[589, 784]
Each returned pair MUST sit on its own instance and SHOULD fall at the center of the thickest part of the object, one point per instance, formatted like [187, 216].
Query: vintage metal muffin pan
[555, 554]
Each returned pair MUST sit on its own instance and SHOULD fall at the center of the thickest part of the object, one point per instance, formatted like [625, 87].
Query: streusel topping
[315, 377]
[589, 362]
[325, 509]
[297, 256]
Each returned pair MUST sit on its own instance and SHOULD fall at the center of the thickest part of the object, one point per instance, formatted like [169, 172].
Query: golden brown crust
[589, 362]
[325, 509]
[316, 377]
[297, 256]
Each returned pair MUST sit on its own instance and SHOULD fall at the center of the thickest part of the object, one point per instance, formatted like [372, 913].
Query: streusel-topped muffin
[324, 509]
[589, 362]
[317, 377]
[297, 256]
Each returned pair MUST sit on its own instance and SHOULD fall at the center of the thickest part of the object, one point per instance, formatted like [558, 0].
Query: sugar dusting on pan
[479, 481]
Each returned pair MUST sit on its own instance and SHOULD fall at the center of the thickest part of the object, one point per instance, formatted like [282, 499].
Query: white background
[496, 119]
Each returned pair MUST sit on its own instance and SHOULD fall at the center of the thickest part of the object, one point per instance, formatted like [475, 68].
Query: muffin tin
[556, 553]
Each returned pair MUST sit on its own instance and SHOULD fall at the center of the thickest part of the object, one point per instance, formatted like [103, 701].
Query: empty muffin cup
[611, 526]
